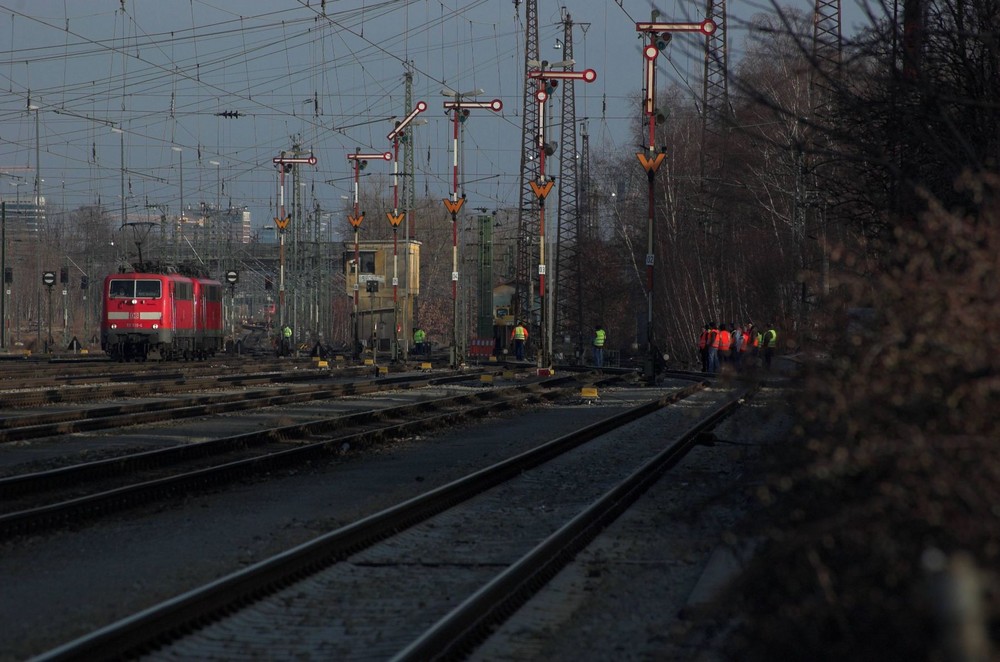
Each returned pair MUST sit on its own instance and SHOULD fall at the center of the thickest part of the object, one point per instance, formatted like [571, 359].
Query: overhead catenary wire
[172, 79]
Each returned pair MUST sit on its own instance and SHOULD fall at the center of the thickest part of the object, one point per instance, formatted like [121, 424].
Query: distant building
[314, 228]
[219, 228]
[268, 234]
[247, 233]
[25, 218]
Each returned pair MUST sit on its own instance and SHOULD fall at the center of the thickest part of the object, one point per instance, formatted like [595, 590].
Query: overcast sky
[162, 70]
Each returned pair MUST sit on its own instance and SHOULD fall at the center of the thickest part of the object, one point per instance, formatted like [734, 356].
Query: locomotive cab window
[134, 289]
[147, 289]
[121, 289]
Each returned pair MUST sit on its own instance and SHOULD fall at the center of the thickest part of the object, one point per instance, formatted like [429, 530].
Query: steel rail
[114, 500]
[143, 632]
[33, 426]
[470, 623]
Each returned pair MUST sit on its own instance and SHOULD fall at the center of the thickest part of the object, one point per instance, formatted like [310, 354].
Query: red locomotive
[161, 314]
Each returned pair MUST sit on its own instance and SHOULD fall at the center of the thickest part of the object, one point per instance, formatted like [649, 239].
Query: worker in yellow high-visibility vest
[768, 341]
[286, 340]
[600, 336]
[520, 336]
[419, 336]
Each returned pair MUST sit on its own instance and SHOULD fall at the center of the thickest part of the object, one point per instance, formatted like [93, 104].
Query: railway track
[43, 500]
[428, 578]
[39, 370]
[42, 383]
[144, 402]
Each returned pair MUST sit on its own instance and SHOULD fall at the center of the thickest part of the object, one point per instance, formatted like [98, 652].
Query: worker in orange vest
[725, 343]
[713, 348]
[703, 347]
[745, 344]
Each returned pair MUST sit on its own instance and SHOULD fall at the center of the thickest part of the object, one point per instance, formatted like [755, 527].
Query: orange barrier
[481, 347]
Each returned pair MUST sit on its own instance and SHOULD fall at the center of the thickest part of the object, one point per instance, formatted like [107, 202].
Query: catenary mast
[526, 255]
[716, 115]
[567, 295]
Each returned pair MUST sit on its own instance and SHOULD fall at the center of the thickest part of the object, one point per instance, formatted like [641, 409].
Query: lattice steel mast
[526, 255]
[810, 188]
[827, 51]
[567, 294]
[715, 95]
[408, 198]
[587, 206]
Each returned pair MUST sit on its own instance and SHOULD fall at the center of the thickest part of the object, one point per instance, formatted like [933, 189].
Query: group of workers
[719, 345]
[519, 335]
[519, 338]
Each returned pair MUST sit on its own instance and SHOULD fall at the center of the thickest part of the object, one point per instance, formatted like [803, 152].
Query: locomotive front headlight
[155, 327]
[114, 326]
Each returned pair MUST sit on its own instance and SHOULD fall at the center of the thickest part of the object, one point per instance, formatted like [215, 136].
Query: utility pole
[525, 256]
[178, 227]
[395, 218]
[121, 161]
[547, 82]
[409, 198]
[715, 92]
[38, 229]
[284, 165]
[38, 168]
[659, 35]
[716, 120]
[460, 110]
[3, 270]
[567, 294]
[218, 212]
[587, 194]
[360, 163]
[824, 78]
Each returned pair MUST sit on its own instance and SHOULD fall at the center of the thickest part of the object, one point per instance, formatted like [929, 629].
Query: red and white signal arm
[707, 27]
[385, 156]
[587, 75]
[308, 160]
[496, 105]
[419, 108]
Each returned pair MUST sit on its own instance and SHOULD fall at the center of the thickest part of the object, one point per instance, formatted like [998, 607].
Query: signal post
[284, 165]
[546, 83]
[395, 218]
[659, 35]
[48, 279]
[360, 163]
[459, 110]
